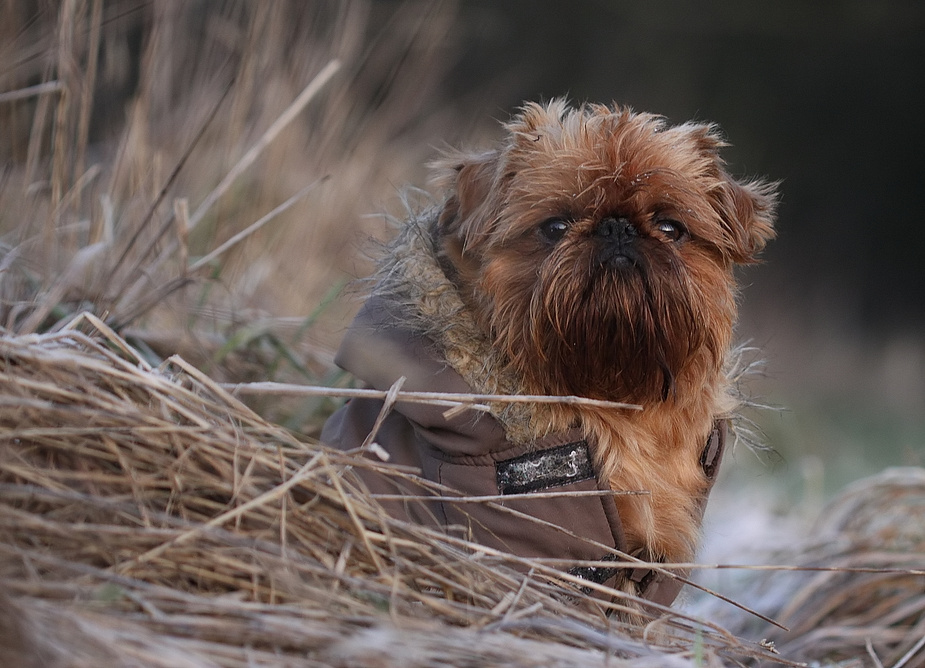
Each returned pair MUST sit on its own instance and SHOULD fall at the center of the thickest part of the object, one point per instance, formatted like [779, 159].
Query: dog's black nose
[616, 229]
[617, 247]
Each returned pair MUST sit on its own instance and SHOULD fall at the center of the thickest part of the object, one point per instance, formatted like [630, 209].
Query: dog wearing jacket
[590, 253]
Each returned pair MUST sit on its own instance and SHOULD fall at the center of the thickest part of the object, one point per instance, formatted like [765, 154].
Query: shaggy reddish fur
[595, 249]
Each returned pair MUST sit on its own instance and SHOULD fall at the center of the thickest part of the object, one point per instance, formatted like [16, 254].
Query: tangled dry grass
[150, 518]
[854, 589]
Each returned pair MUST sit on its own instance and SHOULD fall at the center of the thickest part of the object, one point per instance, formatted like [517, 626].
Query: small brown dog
[590, 254]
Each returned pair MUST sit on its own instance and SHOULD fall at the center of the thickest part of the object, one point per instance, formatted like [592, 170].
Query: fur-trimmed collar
[410, 275]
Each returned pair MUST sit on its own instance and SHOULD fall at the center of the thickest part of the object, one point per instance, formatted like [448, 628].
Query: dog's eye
[553, 229]
[670, 228]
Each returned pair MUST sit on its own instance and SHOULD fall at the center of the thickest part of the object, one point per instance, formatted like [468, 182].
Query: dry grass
[854, 589]
[233, 111]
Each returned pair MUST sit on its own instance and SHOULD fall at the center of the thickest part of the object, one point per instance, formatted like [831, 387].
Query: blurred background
[122, 120]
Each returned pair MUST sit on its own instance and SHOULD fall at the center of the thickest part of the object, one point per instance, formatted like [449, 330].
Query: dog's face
[596, 248]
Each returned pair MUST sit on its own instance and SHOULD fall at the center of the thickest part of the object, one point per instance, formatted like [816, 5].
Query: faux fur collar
[411, 275]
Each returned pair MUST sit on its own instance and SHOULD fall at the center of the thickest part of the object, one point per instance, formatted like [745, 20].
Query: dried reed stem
[86, 90]
[293, 110]
[474, 401]
[31, 91]
[205, 260]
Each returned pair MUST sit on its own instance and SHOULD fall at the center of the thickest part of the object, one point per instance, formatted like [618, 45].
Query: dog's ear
[466, 214]
[747, 211]
[476, 181]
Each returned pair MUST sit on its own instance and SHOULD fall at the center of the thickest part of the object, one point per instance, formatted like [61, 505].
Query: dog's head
[595, 247]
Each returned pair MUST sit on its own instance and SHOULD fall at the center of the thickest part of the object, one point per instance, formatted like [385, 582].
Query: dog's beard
[621, 328]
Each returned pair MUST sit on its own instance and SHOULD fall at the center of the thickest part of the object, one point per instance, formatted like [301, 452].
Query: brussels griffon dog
[591, 253]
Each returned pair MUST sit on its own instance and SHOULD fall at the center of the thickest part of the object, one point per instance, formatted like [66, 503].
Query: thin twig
[86, 91]
[476, 401]
[164, 190]
[390, 399]
[284, 119]
[745, 567]
[873, 654]
[67, 74]
[911, 653]
[31, 91]
[504, 497]
[253, 227]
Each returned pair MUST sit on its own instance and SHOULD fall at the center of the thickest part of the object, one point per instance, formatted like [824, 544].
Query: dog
[591, 253]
